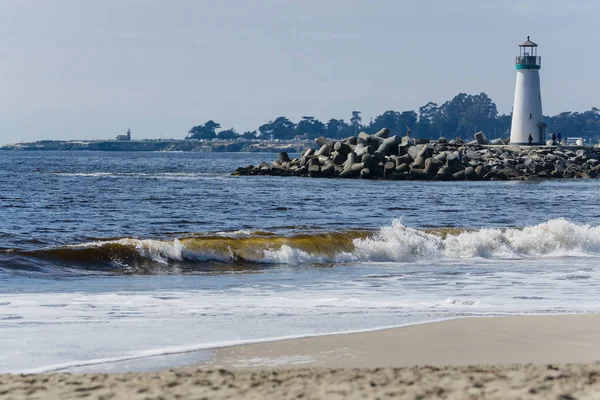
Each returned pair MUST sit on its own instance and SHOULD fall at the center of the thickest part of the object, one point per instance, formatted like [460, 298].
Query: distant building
[125, 137]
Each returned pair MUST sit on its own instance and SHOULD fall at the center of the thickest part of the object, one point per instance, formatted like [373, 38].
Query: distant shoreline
[167, 145]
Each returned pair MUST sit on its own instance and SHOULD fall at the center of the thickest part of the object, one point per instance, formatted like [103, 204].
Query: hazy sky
[93, 68]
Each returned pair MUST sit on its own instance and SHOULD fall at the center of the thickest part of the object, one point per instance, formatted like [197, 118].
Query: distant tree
[501, 127]
[310, 127]
[206, 131]
[428, 117]
[576, 124]
[389, 119]
[250, 135]
[280, 128]
[395, 121]
[356, 121]
[338, 129]
[461, 116]
[228, 134]
[479, 114]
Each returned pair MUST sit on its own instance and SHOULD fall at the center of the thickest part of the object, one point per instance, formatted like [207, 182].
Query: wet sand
[466, 341]
[509, 358]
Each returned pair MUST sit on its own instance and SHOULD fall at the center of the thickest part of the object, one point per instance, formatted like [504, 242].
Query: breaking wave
[393, 243]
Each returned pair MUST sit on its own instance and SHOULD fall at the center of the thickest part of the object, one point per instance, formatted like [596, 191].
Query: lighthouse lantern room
[527, 119]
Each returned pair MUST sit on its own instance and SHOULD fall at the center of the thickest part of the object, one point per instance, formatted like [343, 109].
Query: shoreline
[159, 145]
[562, 338]
[488, 357]
[69, 367]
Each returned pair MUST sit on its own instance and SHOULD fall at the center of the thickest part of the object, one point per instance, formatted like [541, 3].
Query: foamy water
[132, 261]
[108, 319]
[393, 243]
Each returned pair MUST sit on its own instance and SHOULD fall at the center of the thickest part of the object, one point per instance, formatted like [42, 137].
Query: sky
[91, 69]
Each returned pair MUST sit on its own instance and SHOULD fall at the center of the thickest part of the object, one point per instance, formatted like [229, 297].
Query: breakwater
[381, 156]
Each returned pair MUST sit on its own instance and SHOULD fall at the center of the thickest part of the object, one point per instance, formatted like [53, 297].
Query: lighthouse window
[530, 116]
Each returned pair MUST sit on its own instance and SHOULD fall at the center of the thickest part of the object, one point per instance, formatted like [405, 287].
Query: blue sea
[140, 261]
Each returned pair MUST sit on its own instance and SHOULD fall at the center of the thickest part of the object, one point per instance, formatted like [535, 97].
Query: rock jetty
[381, 156]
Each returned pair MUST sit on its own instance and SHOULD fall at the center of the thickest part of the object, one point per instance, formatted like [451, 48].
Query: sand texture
[483, 382]
[374, 365]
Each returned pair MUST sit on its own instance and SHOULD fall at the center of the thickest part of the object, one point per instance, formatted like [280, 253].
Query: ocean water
[137, 261]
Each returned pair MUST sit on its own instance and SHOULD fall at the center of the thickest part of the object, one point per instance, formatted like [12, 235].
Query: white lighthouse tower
[527, 118]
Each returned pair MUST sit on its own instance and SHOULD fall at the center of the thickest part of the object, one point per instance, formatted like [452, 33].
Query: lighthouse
[527, 117]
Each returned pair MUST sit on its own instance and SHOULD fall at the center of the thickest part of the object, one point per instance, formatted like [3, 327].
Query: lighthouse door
[541, 133]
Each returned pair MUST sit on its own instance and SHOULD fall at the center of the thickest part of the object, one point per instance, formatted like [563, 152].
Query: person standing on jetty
[558, 137]
[530, 139]
[553, 139]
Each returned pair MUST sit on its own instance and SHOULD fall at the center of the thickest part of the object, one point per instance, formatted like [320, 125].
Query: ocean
[140, 261]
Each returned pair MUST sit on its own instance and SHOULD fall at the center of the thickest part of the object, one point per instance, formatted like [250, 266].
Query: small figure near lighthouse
[528, 125]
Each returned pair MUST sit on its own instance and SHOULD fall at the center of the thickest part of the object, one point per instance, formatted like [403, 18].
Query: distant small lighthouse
[527, 117]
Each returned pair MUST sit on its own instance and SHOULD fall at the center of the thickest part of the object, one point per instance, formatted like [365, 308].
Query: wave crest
[393, 243]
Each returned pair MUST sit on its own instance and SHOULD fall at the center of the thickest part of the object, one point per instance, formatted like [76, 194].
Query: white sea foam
[393, 243]
[557, 237]
[460, 302]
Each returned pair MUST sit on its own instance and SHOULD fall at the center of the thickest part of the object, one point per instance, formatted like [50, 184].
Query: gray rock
[470, 174]
[384, 133]
[453, 162]
[342, 148]
[322, 141]
[480, 138]
[432, 166]
[413, 152]
[402, 168]
[459, 176]
[283, 157]
[323, 151]
[389, 146]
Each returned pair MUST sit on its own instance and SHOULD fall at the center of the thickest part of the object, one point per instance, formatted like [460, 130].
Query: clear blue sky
[93, 68]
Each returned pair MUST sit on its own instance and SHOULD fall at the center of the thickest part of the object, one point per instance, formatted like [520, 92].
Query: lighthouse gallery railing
[529, 60]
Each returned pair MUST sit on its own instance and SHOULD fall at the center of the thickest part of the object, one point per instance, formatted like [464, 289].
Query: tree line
[463, 116]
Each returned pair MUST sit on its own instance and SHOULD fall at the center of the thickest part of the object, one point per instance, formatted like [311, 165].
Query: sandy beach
[545, 357]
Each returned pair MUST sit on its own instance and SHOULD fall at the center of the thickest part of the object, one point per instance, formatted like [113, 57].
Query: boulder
[342, 148]
[362, 149]
[389, 146]
[402, 168]
[323, 141]
[425, 153]
[419, 173]
[459, 176]
[413, 152]
[283, 157]
[337, 158]
[384, 133]
[323, 151]
[432, 166]
[480, 138]
[453, 162]
[351, 141]
[470, 174]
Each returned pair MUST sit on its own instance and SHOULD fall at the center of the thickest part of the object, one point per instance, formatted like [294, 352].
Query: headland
[381, 156]
[159, 145]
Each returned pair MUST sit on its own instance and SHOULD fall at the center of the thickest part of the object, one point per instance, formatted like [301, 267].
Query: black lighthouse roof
[528, 43]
